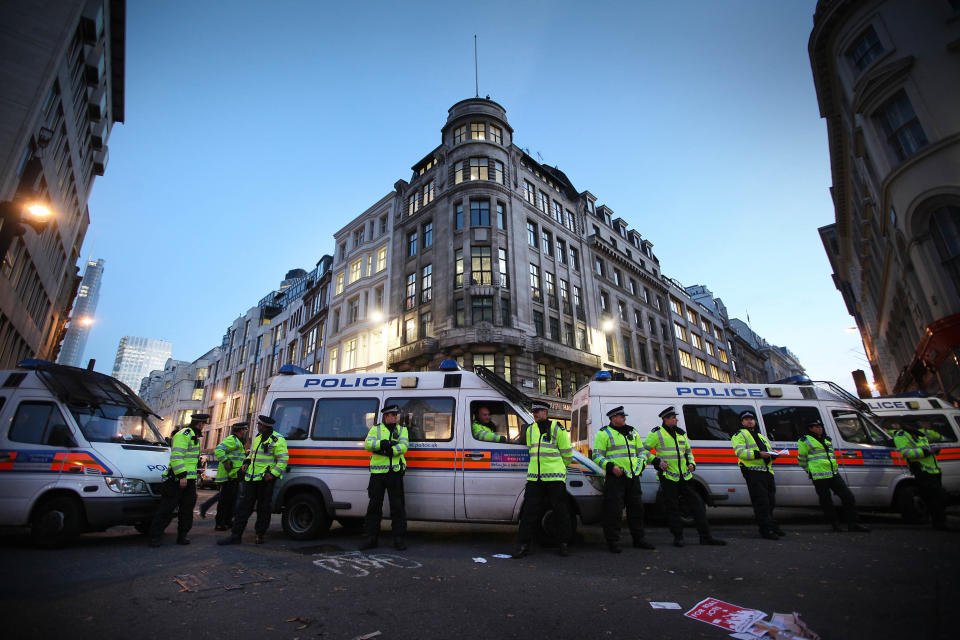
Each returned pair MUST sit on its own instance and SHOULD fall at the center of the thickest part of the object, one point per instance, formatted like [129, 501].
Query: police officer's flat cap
[391, 408]
[200, 417]
[240, 425]
[266, 421]
[539, 406]
[815, 423]
[666, 413]
[616, 411]
[747, 414]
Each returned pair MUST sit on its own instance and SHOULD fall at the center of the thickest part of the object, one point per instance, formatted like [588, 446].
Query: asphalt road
[898, 581]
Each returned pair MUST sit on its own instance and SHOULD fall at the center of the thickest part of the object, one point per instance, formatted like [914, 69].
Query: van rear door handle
[473, 455]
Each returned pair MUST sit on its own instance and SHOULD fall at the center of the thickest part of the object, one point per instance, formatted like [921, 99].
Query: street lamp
[15, 214]
[607, 326]
[377, 316]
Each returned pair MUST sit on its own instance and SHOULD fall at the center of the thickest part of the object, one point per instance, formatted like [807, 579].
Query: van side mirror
[60, 436]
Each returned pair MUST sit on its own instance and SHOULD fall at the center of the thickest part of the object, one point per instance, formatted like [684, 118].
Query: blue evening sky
[255, 130]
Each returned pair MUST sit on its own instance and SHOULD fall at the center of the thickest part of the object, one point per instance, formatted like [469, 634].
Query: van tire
[56, 522]
[686, 518]
[304, 517]
[911, 507]
[546, 530]
[352, 522]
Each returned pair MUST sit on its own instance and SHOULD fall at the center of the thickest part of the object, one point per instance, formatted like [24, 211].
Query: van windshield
[116, 423]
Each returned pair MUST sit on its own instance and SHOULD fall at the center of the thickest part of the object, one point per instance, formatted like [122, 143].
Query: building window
[477, 131]
[714, 372]
[646, 295]
[502, 265]
[696, 341]
[458, 319]
[709, 349]
[350, 354]
[581, 338]
[426, 319]
[508, 369]
[676, 306]
[575, 259]
[900, 124]
[568, 336]
[506, 319]
[458, 269]
[701, 366]
[622, 308]
[558, 212]
[945, 231]
[617, 277]
[535, 283]
[642, 352]
[481, 309]
[577, 299]
[427, 235]
[598, 266]
[381, 259]
[334, 368]
[551, 288]
[496, 135]
[412, 244]
[353, 310]
[378, 299]
[718, 333]
[722, 354]
[355, 270]
[865, 50]
[538, 323]
[426, 284]
[542, 378]
[413, 204]
[565, 297]
[680, 331]
[543, 202]
[555, 329]
[459, 134]
[339, 288]
[692, 316]
[547, 242]
[358, 237]
[532, 234]
[571, 221]
[501, 216]
[411, 291]
[458, 217]
[481, 269]
[611, 349]
[685, 359]
[627, 351]
[409, 330]
[558, 382]
[528, 191]
[604, 302]
[478, 169]
[497, 169]
[479, 213]
[561, 251]
[637, 319]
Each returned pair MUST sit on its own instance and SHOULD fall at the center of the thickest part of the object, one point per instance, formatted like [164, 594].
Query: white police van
[709, 413]
[77, 453]
[450, 475]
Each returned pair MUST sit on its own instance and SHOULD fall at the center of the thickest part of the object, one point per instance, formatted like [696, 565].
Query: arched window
[945, 230]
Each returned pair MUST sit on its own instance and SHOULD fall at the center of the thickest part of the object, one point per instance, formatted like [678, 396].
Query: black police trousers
[672, 492]
[825, 488]
[536, 496]
[227, 505]
[390, 483]
[931, 492]
[617, 492]
[763, 497]
[173, 497]
[259, 493]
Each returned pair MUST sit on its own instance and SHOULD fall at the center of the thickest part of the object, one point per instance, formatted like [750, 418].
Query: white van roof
[668, 391]
[339, 382]
[900, 404]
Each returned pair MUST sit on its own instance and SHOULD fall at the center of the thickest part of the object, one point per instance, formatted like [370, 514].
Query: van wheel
[547, 527]
[352, 522]
[56, 522]
[304, 517]
[911, 507]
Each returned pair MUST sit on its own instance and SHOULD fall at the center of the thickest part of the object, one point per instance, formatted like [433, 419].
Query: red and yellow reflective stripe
[416, 458]
[7, 465]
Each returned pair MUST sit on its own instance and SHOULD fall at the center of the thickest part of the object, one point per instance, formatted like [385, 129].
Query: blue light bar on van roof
[603, 375]
[293, 370]
[797, 379]
[449, 365]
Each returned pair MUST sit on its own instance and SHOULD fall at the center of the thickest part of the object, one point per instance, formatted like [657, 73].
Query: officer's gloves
[386, 447]
[227, 465]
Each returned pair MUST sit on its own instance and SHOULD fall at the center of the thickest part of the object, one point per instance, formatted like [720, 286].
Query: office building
[83, 316]
[137, 357]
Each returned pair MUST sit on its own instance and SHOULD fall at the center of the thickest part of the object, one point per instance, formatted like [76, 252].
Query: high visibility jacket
[483, 432]
[627, 452]
[380, 463]
[230, 450]
[816, 457]
[548, 459]
[268, 455]
[184, 454]
[675, 451]
[915, 447]
[745, 446]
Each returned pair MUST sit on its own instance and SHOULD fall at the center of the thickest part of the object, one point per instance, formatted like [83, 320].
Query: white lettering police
[725, 392]
[346, 383]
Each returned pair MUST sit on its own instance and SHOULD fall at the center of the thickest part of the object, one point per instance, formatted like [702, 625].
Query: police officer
[388, 442]
[550, 453]
[914, 445]
[815, 456]
[756, 464]
[484, 429]
[675, 464]
[179, 489]
[265, 463]
[618, 449]
[230, 455]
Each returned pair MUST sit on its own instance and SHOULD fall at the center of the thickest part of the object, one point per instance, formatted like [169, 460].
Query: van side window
[426, 419]
[506, 421]
[584, 433]
[788, 424]
[37, 423]
[292, 416]
[924, 422]
[712, 421]
[344, 418]
[855, 429]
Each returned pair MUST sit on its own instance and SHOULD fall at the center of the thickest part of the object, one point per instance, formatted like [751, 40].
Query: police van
[451, 476]
[78, 452]
[928, 414]
[709, 413]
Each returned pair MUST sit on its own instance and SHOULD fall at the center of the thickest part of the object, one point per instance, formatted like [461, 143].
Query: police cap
[747, 414]
[200, 417]
[666, 413]
[391, 408]
[539, 406]
[815, 423]
[616, 411]
[266, 421]
[240, 426]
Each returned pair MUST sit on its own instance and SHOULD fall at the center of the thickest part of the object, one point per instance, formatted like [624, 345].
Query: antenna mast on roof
[476, 66]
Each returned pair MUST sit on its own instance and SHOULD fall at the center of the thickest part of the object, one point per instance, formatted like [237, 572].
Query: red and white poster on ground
[724, 615]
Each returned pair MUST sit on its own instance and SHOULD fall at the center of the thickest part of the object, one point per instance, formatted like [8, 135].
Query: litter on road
[665, 605]
[480, 560]
[725, 615]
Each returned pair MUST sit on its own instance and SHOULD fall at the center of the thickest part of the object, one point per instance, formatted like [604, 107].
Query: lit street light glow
[376, 316]
[38, 210]
[607, 326]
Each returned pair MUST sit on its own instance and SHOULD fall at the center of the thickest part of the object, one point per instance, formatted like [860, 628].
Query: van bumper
[119, 510]
[591, 508]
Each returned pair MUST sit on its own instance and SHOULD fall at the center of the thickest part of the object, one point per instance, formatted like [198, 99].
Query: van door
[430, 479]
[32, 450]
[785, 424]
[492, 474]
[864, 454]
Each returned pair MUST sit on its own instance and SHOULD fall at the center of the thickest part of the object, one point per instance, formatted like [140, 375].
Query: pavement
[899, 580]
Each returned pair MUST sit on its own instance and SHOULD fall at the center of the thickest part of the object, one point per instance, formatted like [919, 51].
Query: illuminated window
[722, 354]
[458, 268]
[481, 269]
[696, 341]
[477, 131]
[680, 331]
[701, 366]
[381, 259]
[685, 359]
[426, 284]
[355, 270]
[496, 135]
[339, 288]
